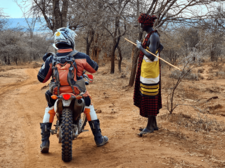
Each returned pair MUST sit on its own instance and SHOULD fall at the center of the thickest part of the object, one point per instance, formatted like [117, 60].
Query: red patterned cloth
[149, 105]
[147, 19]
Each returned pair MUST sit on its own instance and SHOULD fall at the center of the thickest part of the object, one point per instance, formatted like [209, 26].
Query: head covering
[64, 36]
[146, 19]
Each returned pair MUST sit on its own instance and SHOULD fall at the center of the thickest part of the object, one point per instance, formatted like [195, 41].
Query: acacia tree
[63, 13]
[114, 15]
[31, 21]
[214, 27]
[93, 23]
[54, 12]
[88, 17]
[15, 47]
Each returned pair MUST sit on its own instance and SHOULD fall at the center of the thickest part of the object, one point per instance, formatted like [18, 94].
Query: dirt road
[178, 143]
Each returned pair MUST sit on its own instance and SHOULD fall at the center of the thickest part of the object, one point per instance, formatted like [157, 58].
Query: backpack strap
[55, 72]
[71, 56]
[70, 77]
[73, 53]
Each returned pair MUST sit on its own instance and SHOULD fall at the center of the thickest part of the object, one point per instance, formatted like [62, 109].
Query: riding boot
[95, 127]
[155, 124]
[149, 128]
[45, 132]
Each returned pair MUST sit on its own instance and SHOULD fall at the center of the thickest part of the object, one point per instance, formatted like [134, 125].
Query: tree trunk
[113, 57]
[8, 61]
[5, 60]
[212, 53]
[31, 44]
[212, 56]
[64, 13]
[133, 69]
[56, 15]
[95, 53]
[91, 33]
[87, 46]
[133, 52]
[134, 63]
[115, 43]
[121, 58]
[16, 61]
[60, 17]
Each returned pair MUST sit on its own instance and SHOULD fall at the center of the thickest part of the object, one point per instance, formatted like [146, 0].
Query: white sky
[11, 9]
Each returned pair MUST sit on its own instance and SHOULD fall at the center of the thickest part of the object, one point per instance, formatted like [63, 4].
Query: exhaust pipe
[79, 105]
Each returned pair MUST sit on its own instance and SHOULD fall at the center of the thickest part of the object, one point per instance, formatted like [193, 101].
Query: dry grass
[200, 124]
[220, 74]
[201, 70]
[190, 93]
[190, 76]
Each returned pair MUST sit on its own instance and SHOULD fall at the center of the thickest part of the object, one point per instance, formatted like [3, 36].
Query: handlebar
[88, 78]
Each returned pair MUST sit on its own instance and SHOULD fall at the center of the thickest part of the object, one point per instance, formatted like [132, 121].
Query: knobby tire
[67, 139]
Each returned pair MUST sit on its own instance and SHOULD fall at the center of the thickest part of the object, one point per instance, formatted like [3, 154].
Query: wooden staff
[155, 55]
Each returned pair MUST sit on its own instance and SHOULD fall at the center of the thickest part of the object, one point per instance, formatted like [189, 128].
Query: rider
[64, 41]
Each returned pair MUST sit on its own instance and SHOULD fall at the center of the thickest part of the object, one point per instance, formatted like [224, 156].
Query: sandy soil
[187, 138]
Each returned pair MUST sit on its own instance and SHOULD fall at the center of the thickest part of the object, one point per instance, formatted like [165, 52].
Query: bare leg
[155, 124]
[149, 128]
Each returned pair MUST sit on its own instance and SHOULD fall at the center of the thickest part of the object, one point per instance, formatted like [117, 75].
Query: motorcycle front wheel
[67, 135]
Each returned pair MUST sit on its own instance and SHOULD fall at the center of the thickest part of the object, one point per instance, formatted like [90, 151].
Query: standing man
[147, 91]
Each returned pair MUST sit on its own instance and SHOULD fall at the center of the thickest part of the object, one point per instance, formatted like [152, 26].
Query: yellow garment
[151, 91]
[150, 76]
[149, 69]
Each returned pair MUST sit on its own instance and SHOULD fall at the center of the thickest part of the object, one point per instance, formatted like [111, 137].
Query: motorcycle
[71, 119]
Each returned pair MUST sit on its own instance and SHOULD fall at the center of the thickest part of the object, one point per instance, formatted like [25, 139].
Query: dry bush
[190, 93]
[214, 89]
[200, 124]
[17, 47]
[201, 70]
[215, 107]
[35, 64]
[220, 74]
[190, 76]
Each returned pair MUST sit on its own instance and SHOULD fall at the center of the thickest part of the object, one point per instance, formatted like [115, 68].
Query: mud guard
[66, 103]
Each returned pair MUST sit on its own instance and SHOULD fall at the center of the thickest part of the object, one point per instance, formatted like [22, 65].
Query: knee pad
[90, 113]
[49, 115]
[50, 101]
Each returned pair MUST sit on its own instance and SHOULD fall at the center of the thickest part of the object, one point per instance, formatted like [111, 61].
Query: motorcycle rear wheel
[67, 135]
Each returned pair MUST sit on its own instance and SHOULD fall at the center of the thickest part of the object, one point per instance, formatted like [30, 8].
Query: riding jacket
[83, 62]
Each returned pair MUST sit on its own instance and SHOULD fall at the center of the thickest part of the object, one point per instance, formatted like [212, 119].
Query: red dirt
[185, 139]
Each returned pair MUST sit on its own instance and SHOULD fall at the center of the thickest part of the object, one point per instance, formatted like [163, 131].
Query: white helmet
[64, 35]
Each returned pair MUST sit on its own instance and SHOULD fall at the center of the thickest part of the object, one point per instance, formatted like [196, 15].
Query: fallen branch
[194, 106]
[214, 97]
[200, 110]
